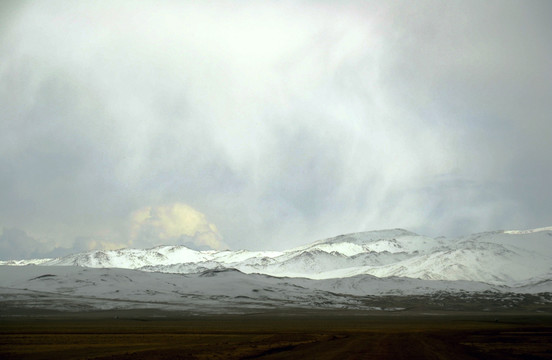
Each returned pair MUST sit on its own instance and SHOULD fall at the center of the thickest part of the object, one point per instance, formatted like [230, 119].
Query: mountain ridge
[503, 257]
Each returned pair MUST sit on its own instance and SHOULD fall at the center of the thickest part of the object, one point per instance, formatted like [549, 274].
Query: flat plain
[299, 334]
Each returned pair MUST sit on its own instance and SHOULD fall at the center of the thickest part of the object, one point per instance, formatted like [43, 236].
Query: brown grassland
[139, 334]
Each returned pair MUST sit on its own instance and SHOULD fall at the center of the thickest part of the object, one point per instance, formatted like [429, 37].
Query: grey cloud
[281, 122]
[17, 244]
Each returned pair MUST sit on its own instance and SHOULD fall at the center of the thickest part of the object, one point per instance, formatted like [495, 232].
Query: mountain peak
[368, 236]
[498, 257]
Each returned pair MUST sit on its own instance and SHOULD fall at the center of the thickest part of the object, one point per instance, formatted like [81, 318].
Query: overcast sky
[270, 124]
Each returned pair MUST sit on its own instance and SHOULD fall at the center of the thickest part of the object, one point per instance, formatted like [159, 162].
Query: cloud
[171, 224]
[284, 122]
[17, 244]
[174, 223]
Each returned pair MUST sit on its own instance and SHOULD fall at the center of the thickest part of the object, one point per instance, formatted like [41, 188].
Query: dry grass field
[290, 335]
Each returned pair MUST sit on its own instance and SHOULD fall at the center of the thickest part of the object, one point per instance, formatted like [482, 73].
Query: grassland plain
[290, 334]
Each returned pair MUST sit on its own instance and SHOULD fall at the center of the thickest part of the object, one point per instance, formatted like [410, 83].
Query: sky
[269, 124]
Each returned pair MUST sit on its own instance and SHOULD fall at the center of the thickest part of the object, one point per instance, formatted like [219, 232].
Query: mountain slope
[71, 288]
[511, 258]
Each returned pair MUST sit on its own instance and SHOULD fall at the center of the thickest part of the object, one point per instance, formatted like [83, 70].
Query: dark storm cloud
[278, 122]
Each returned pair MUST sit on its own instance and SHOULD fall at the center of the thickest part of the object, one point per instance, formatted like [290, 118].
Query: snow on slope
[230, 282]
[393, 241]
[494, 257]
[77, 288]
[536, 240]
[71, 288]
[512, 258]
[160, 255]
[25, 262]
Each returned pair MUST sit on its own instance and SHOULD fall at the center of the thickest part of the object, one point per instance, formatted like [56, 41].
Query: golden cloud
[173, 222]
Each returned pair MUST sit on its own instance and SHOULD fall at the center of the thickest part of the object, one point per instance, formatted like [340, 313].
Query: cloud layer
[280, 122]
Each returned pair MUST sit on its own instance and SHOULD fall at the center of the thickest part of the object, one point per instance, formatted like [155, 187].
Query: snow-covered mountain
[72, 288]
[367, 271]
[510, 258]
